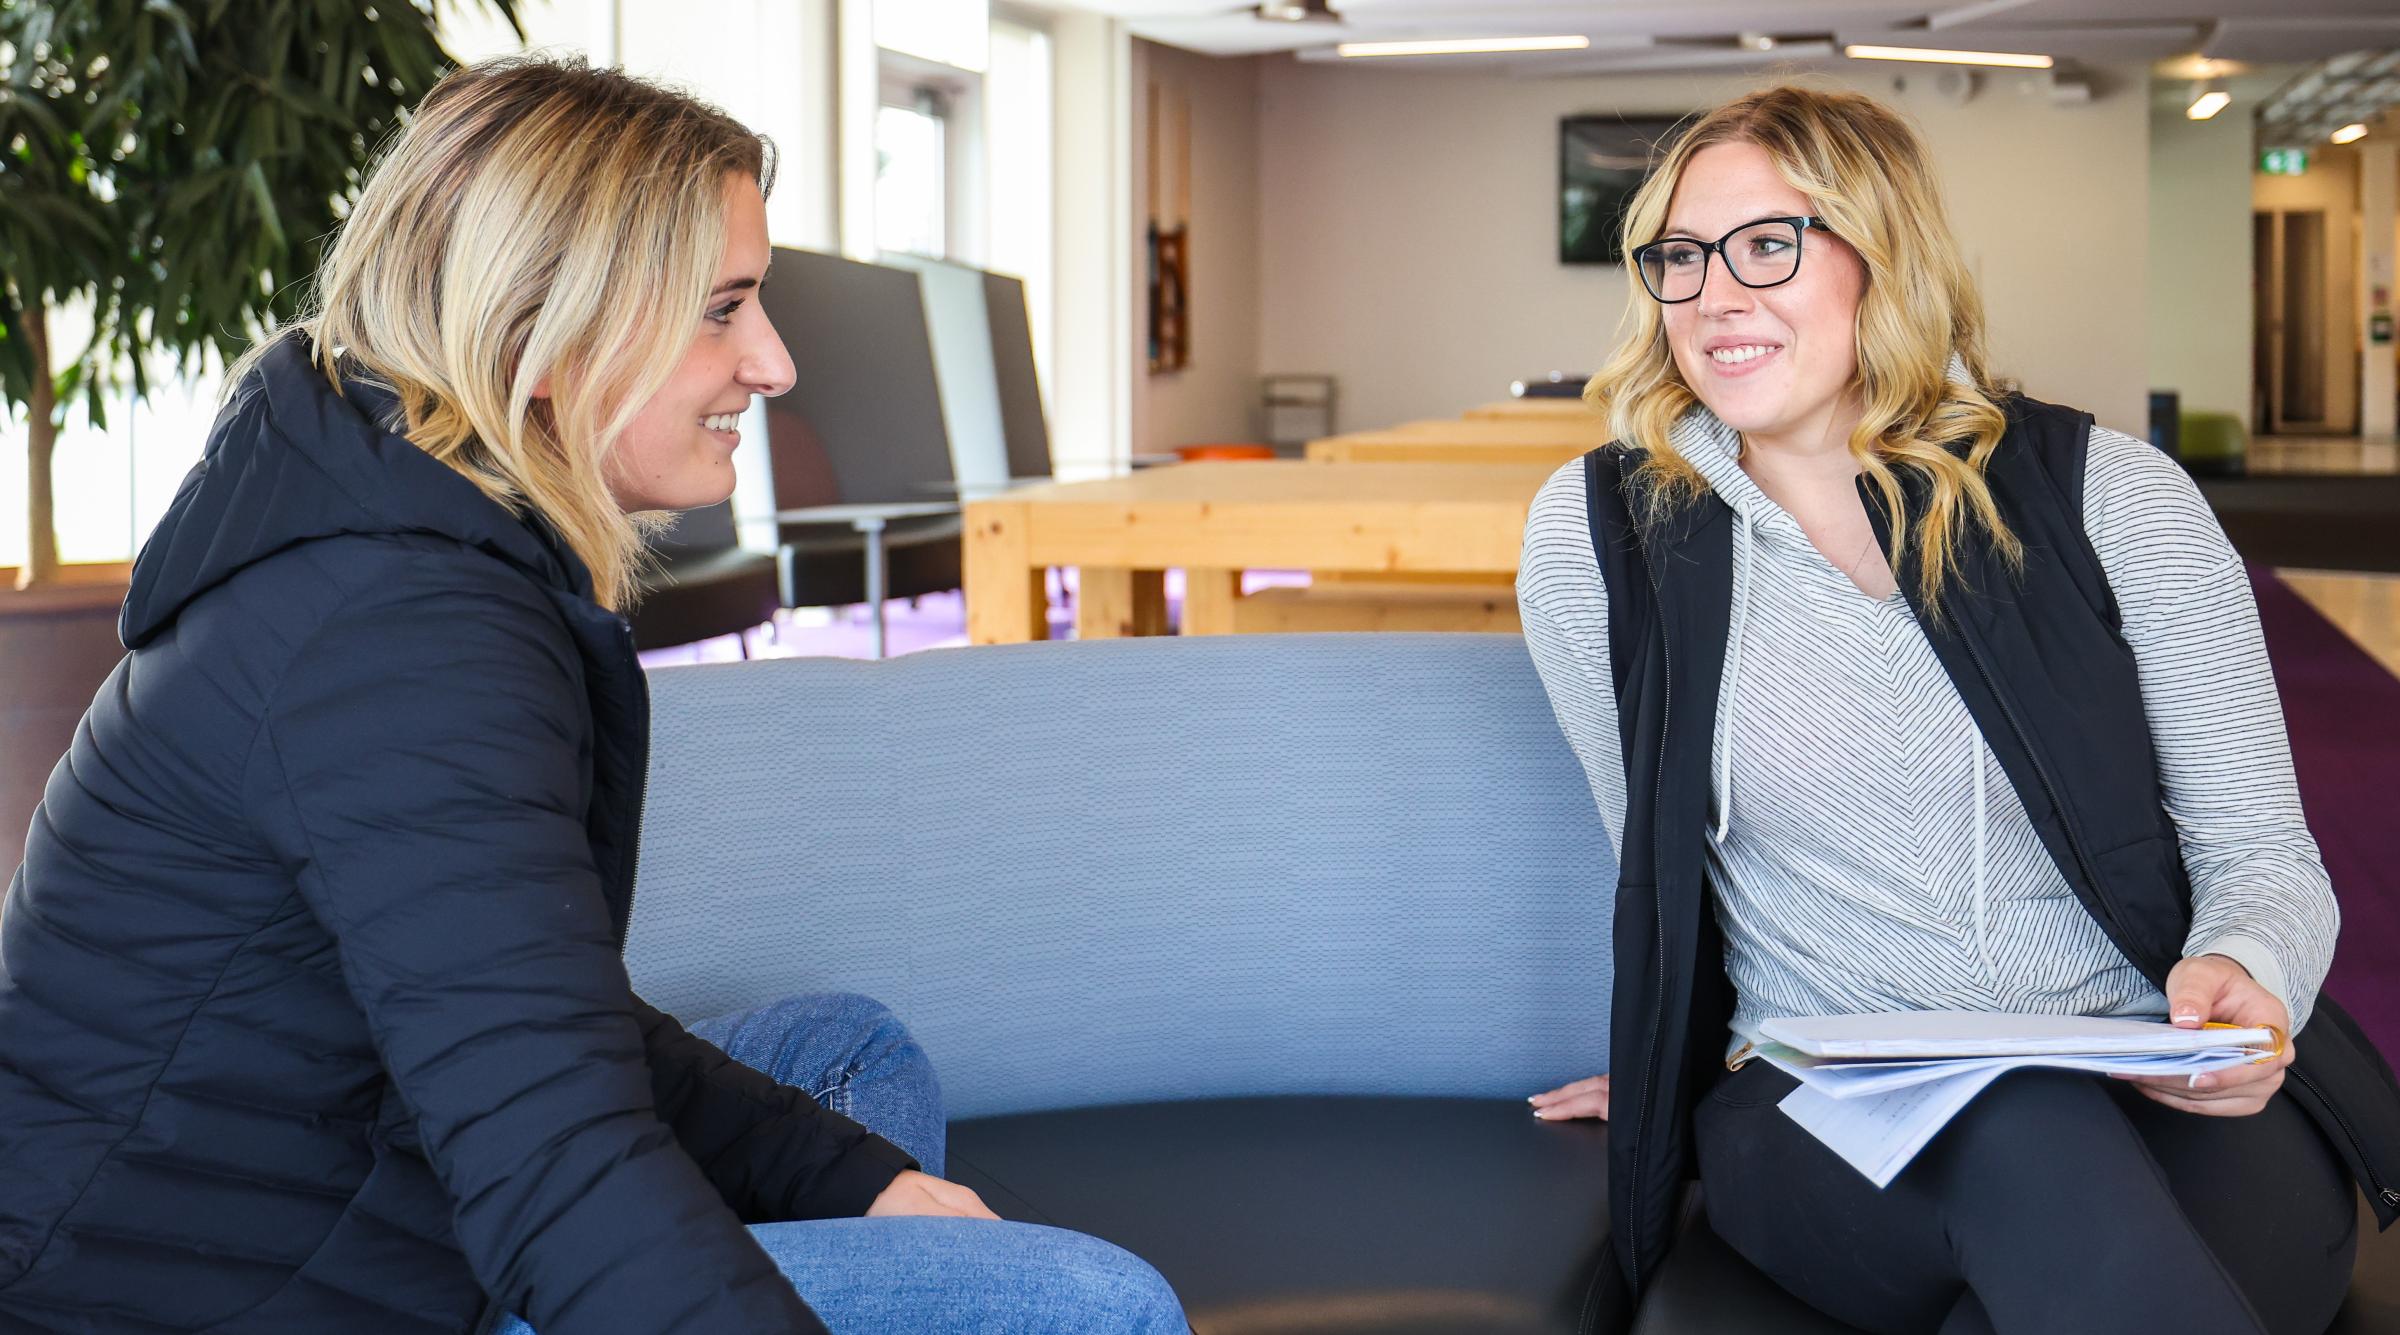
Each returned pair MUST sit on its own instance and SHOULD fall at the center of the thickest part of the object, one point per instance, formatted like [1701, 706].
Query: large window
[912, 177]
[962, 170]
[945, 32]
[1019, 139]
[109, 486]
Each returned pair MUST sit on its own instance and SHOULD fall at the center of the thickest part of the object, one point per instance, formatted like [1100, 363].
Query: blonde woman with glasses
[312, 1010]
[1903, 691]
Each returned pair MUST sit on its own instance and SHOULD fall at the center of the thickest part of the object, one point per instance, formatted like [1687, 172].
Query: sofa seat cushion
[1406, 1216]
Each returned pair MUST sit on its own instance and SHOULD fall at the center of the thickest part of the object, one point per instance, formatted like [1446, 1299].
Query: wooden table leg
[1006, 601]
[1211, 601]
[1112, 603]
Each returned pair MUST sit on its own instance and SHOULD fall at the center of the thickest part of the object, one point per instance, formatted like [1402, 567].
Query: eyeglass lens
[1760, 255]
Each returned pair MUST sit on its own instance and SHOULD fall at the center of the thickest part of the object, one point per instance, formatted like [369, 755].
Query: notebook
[1876, 1089]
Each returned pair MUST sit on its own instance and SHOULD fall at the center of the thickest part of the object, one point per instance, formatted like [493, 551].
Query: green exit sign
[2284, 161]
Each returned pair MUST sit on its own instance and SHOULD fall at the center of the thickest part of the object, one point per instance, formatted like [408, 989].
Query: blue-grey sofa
[1241, 952]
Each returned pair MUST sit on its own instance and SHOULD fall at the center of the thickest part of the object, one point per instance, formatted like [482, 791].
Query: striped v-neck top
[1866, 850]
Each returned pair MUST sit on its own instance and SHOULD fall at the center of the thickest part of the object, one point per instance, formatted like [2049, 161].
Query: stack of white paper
[1875, 1088]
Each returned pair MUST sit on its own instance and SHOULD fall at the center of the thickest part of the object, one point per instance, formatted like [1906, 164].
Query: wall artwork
[1170, 236]
[1602, 160]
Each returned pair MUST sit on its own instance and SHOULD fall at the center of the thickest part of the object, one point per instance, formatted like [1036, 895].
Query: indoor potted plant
[173, 168]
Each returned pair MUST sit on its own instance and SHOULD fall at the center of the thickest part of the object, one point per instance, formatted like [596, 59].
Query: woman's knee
[1094, 1286]
[840, 1033]
[851, 1053]
[836, 1012]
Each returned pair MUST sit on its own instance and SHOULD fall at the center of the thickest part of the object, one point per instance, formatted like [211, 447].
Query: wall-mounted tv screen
[1602, 160]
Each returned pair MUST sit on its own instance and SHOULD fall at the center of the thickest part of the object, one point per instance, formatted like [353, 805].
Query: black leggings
[2054, 1204]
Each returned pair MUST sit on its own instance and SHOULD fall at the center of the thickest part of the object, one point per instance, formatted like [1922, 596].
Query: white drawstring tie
[1983, 922]
[1745, 560]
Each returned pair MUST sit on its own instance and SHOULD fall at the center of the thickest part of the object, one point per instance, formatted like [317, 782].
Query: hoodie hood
[290, 461]
[1716, 450]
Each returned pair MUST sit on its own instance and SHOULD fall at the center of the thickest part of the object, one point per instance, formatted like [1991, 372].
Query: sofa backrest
[1113, 871]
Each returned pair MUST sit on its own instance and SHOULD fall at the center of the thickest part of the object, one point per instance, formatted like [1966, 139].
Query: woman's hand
[1584, 1098]
[2213, 987]
[922, 1193]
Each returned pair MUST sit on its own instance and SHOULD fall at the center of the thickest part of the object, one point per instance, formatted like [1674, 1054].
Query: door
[2297, 314]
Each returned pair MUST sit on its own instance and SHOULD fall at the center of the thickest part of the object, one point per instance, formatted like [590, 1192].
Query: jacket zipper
[1658, 914]
[633, 860]
[641, 802]
[2075, 845]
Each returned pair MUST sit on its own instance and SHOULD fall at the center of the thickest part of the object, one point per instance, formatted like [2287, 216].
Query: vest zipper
[2075, 846]
[1658, 913]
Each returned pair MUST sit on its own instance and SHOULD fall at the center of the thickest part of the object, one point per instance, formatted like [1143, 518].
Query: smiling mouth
[729, 423]
[1746, 352]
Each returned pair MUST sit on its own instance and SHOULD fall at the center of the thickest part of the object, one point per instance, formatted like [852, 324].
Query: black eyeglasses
[1765, 253]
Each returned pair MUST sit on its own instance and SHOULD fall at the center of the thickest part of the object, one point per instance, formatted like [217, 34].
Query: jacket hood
[291, 461]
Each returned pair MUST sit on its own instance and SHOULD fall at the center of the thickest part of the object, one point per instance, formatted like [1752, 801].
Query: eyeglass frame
[1801, 226]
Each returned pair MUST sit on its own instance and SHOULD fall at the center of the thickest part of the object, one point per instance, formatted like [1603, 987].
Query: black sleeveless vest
[2039, 662]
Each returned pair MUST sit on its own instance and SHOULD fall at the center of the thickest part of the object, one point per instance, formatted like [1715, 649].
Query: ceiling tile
[2264, 40]
[2095, 44]
[2038, 13]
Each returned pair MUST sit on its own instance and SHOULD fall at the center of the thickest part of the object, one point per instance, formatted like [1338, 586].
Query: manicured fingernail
[1534, 1099]
[2182, 1018]
[2201, 1082]
[1540, 1116]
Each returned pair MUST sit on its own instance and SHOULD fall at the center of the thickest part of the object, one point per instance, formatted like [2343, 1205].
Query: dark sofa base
[1398, 1216]
[1275, 1216]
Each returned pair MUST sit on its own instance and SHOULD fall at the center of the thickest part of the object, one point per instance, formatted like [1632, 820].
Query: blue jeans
[933, 1276]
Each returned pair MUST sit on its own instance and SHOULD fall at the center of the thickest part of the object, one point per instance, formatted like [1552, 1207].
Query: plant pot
[57, 645]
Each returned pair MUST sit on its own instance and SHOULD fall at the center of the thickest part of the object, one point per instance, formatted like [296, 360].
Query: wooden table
[1215, 520]
[1390, 447]
[1550, 441]
[1531, 409]
[1585, 427]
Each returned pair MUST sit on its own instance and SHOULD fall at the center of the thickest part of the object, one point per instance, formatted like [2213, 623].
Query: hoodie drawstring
[1745, 559]
[1983, 923]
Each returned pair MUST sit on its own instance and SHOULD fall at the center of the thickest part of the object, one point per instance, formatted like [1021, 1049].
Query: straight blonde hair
[538, 223]
[1866, 173]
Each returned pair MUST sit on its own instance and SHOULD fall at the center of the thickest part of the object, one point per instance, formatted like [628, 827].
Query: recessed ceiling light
[1464, 46]
[2208, 104]
[2011, 59]
[2350, 134]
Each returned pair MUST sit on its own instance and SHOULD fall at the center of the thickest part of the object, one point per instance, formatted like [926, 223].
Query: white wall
[2200, 255]
[2379, 240]
[1090, 423]
[1410, 230]
[1214, 398]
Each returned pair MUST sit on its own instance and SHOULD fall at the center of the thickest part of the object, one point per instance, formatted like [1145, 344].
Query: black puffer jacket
[313, 1015]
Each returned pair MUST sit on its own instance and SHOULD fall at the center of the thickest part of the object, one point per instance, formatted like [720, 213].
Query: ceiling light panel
[1938, 56]
[1460, 46]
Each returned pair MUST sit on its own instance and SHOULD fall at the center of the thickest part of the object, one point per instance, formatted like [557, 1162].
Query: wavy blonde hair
[1865, 172]
[536, 220]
